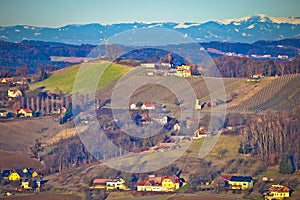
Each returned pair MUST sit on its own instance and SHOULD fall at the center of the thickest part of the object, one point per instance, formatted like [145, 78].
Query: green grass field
[64, 79]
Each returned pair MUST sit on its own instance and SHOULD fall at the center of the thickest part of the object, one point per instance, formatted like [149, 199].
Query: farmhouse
[118, 184]
[25, 112]
[238, 182]
[109, 184]
[277, 192]
[159, 184]
[200, 133]
[13, 93]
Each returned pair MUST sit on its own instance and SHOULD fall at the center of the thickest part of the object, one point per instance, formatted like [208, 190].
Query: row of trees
[245, 67]
[274, 138]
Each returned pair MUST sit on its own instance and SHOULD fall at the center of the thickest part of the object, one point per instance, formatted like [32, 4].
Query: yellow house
[169, 185]
[238, 182]
[13, 93]
[14, 176]
[5, 80]
[159, 184]
[25, 184]
[26, 112]
[277, 192]
[34, 174]
[183, 71]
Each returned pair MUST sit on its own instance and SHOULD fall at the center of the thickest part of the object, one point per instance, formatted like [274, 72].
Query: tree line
[274, 138]
[241, 67]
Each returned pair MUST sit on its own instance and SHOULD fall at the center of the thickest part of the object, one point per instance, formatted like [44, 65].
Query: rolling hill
[63, 80]
[249, 96]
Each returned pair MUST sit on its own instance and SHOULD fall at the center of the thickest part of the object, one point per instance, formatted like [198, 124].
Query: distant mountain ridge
[247, 30]
[34, 53]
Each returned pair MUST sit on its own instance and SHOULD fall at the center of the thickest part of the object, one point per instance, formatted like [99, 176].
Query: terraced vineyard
[159, 93]
[287, 97]
[276, 95]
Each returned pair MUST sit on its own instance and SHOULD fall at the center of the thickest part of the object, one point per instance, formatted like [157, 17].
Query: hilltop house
[183, 71]
[238, 182]
[258, 75]
[13, 93]
[147, 106]
[25, 112]
[277, 192]
[159, 184]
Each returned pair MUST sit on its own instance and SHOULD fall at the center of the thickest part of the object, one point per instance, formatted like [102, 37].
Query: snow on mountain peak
[183, 25]
[262, 18]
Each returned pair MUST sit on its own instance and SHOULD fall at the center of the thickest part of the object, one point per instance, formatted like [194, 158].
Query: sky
[57, 13]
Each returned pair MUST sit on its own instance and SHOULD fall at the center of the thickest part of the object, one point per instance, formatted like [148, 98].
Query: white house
[133, 107]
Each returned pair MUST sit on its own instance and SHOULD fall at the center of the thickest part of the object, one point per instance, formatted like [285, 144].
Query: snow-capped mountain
[247, 29]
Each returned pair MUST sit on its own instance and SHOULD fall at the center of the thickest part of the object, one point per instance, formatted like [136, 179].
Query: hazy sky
[54, 13]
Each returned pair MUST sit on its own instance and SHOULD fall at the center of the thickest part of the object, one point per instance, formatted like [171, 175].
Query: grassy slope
[64, 79]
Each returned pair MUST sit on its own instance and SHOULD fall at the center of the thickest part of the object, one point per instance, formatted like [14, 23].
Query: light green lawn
[64, 79]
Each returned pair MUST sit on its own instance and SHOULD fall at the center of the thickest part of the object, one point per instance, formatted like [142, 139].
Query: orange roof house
[25, 112]
[6, 80]
[99, 181]
[277, 192]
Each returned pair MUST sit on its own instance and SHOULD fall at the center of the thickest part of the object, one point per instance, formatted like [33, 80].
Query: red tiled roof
[149, 105]
[7, 79]
[226, 177]
[14, 91]
[173, 178]
[259, 74]
[144, 116]
[140, 183]
[27, 110]
[99, 181]
[279, 188]
[157, 180]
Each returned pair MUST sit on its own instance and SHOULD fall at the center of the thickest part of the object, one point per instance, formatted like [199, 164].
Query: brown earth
[17, 135]
[9, 160]
[198, 197]
[46, 197]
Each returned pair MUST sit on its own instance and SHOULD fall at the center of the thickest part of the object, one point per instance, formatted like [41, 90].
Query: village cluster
[22, 180]
[173, 183]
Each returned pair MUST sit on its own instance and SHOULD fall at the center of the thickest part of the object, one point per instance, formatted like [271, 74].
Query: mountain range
[247, 30]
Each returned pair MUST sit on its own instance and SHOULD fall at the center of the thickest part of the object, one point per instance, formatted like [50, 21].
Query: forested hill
[35, 53]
